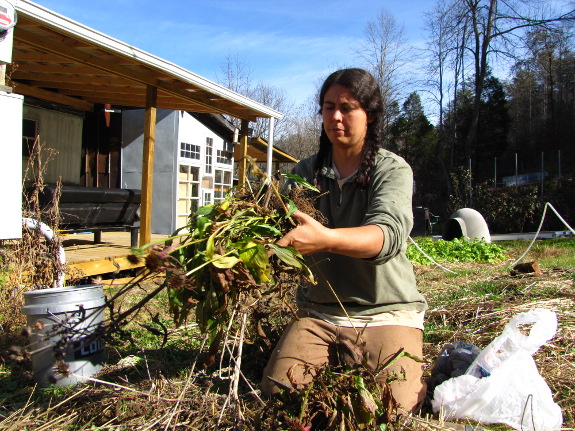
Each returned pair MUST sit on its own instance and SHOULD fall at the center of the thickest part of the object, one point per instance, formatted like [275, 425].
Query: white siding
[63, 133]
[191, 131]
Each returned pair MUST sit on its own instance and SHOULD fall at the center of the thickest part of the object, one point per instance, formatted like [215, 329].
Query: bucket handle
[75, 317]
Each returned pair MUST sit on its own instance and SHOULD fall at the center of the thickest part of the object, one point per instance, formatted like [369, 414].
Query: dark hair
[365, 88]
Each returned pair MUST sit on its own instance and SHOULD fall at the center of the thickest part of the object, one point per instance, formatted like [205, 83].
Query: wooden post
[243, 151]
[148, 165]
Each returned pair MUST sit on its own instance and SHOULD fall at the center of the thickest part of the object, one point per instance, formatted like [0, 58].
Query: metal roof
[60, 60]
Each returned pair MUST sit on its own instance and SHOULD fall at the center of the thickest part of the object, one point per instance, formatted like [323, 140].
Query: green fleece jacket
[365, 286]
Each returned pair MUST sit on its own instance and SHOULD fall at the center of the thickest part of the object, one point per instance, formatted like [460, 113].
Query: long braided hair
[365, 88]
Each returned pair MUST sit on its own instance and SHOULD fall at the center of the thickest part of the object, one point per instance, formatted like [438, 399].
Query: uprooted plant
[226, 258]
[349, 396]
[216, 269]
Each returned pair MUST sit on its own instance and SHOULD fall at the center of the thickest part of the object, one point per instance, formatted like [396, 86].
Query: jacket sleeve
[390, 205]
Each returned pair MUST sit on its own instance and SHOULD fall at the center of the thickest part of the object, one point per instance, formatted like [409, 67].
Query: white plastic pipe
[270, 147]
[49, 234]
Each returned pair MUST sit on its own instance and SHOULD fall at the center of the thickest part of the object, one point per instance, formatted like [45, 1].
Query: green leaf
[206, 309]
[202, 224]
[292, 207]
[265, 230]
[204, 210]
[456, 250]
[178, 304]
[210, 247]
[255, 257]
[225, 204]
[175, 298]
[366, 406]
[288, 255]
[300, 181]
[225, 261]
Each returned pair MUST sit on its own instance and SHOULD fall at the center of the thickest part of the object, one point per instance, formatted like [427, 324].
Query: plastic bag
[454, 360]
[502, 385]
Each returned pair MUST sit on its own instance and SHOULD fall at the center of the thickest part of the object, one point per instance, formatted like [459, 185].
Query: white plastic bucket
[64, 323]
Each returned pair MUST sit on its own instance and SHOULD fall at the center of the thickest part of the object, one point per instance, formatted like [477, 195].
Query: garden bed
[151, 385]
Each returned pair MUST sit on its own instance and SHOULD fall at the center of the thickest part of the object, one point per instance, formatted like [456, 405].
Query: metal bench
[97, 210]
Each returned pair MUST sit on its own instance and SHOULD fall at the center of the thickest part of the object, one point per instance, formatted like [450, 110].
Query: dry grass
[458, 312]
[167, 389]
[31, 261]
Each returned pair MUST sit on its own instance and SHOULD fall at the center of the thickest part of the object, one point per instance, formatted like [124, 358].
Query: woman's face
[344, 120]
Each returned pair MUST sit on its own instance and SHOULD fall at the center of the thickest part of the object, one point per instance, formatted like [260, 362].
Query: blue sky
[289, 45]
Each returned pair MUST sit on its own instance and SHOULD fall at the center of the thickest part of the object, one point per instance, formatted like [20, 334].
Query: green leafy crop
[456, 250]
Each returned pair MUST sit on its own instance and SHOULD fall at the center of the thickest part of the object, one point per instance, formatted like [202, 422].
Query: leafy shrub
[459, 198]
[508, 209]
[505, 209]
[561, 194]
[456, 250]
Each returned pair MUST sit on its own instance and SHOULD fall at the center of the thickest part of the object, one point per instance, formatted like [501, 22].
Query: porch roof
[57, 59]
[258, 150]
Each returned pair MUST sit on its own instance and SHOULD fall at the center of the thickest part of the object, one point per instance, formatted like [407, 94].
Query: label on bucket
[87, 347]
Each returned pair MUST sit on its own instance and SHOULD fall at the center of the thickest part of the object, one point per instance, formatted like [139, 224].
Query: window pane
[183, 206]
[183, 190]
[195, 174]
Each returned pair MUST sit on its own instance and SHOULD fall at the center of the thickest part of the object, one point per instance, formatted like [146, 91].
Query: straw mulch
[144, 392]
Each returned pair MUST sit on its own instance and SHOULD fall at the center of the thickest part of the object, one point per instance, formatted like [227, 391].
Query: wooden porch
[86, 259]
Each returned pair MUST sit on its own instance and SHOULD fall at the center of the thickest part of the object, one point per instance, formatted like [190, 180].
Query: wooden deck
[86, 259]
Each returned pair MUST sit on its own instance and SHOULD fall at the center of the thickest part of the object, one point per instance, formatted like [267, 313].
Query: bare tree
[438, 52]
[305, 129]
[466, 39]
[277, 99]
[445, 48]
[495, 27]
[384, 51]
[237, 76]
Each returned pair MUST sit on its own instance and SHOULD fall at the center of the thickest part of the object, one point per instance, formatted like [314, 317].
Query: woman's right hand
[308, 237]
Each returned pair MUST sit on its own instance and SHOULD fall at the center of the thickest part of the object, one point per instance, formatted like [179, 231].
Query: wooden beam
[243, 151]
[40, 93]
[101, 266]
[57, 67]
[107, 93]
[84, 91]
[148, 165]
[47, 78]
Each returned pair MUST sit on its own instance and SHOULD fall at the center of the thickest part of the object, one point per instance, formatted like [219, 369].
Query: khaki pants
[310, 341]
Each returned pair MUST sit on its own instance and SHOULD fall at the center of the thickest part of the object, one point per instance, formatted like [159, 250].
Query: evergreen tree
[414, 138]
[492, 129]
